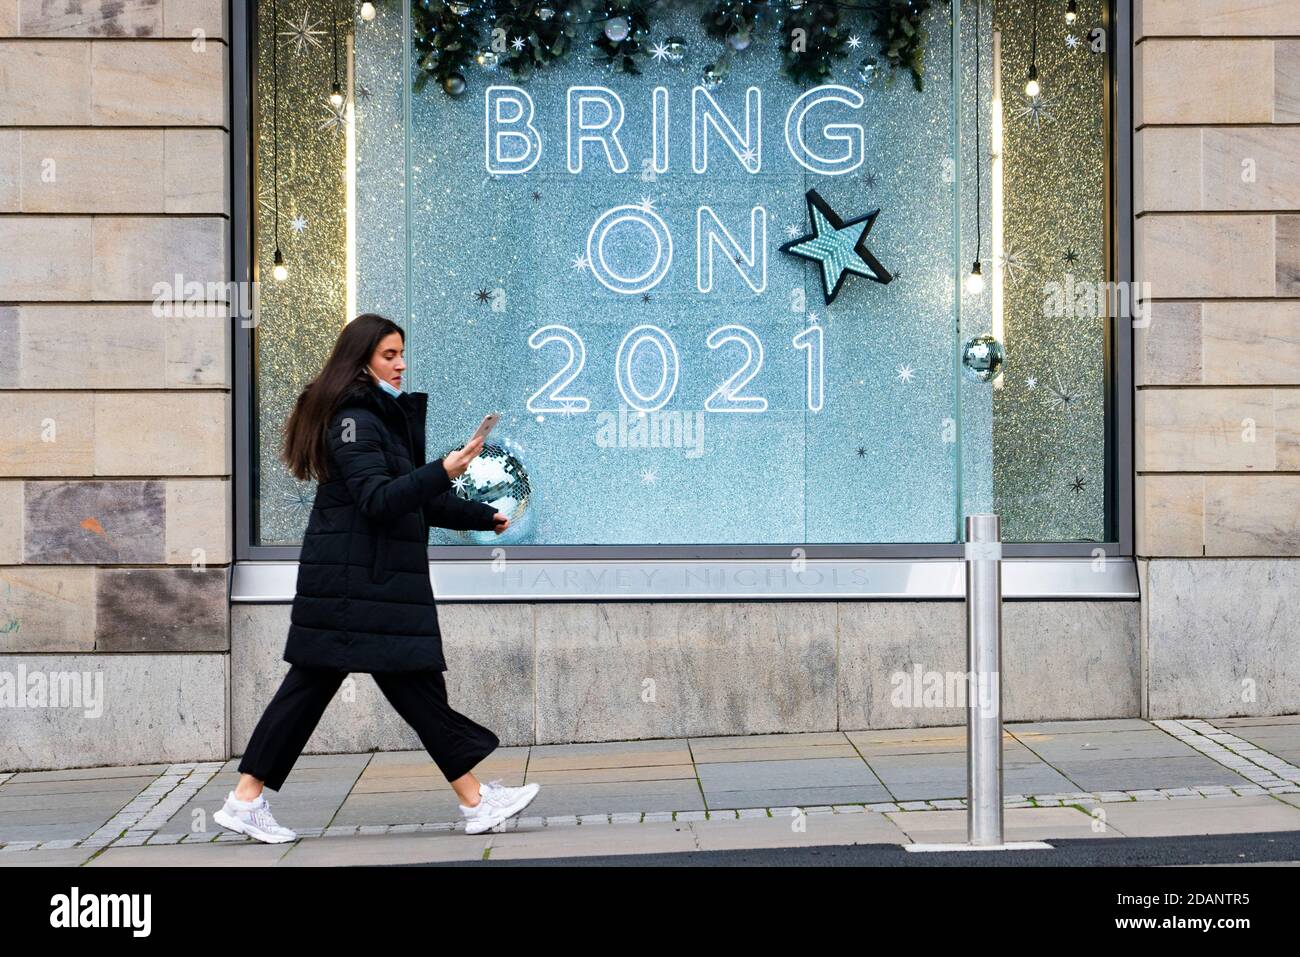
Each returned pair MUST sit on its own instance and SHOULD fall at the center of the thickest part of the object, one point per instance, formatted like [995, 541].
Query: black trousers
[455, 742]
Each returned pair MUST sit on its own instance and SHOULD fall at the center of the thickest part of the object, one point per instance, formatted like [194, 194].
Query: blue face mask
[386, 385]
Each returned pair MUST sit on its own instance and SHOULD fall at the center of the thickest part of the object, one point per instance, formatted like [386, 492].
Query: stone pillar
[1217, 427]
[115, 448]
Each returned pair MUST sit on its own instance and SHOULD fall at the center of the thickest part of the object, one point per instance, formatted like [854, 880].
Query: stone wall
[116, 433]
[115, 440]
[1217, 235]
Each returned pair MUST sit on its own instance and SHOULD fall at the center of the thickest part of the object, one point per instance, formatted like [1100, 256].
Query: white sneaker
[496, 804]
[255, 821]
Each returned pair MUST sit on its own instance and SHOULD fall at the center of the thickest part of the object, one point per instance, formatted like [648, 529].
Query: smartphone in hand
[484, 427]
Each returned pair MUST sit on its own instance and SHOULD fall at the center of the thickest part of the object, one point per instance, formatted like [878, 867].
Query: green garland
[527, 35]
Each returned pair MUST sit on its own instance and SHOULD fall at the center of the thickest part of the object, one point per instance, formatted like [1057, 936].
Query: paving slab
[653, 772]
[813, 830]
[40, 857]
[729, 742]
[393, 807]
[1131, 774]
[580, 840]
[1234, 815]
[1018, 824]
[129, 785]
[385, 849]
[806, 773]
[1088, 726]
[798, 797]
[1105, 745]
[791, 753]
[568, 799]
[1276, 719]
[81, 774]
[611, 754]
[214, 854]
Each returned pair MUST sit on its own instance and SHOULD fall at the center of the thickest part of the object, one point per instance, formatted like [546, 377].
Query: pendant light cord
[1033, 43]
[334, 16]
[979, 157]
[275, 120]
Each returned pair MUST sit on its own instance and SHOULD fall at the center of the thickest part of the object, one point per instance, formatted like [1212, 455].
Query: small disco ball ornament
[545, 13]
[487, 59]
[460, 9]
[981, 358]
[868, 70]
[617, 29]
[738, 40]
[712, 75]
[454, 84]
[498, 477]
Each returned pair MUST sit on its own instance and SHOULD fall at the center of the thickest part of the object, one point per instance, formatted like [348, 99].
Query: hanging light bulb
[280, 271]
[1031, 84]
[1071, 11]
[336, 96]
[368, 11]
[975, 280]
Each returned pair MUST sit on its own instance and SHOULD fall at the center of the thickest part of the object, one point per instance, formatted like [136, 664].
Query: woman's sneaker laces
[496, 804]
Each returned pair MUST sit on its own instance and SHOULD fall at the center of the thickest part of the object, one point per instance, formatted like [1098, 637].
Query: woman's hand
[500, 522]
[456, 462]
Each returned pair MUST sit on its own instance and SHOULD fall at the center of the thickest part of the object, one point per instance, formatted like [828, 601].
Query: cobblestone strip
[1250, 761]
[152, 807]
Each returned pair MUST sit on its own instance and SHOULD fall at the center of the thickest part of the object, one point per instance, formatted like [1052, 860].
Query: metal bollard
[984, 686]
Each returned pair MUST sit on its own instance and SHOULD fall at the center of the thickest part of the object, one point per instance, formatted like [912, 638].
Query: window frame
[1120, 480]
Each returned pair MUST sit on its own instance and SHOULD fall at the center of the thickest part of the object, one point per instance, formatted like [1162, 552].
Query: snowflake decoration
[1013, 261]
[460, 483]
[517, 43]
[580, 263]
[905, 373]
[1060, 397]
[1032, 382]
[1071, 41]
[862, 451]
[854, 41]
[661, 52]
[1037, 111]
[483, 296]
[792, 231]
[646, 203]
[336, 118]
[298, 224]
[1078, 484]
[302, 34]
[1070, 257]
[648, 477]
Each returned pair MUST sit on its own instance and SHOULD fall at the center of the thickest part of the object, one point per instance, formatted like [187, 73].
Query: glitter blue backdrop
[495, 257]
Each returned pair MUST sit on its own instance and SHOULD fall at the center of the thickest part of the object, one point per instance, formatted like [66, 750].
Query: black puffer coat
[364, 601]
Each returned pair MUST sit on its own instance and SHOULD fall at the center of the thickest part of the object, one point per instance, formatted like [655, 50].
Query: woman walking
[363, 601]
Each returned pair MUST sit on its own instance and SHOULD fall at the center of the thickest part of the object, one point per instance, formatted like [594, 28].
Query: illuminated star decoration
[839, 247]
[302, 34]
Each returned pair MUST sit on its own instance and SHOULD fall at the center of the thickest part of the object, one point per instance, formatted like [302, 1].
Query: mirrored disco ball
[981, 358]
[498, 477]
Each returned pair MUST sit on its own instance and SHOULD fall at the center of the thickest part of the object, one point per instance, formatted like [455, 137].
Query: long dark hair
[304, 449]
